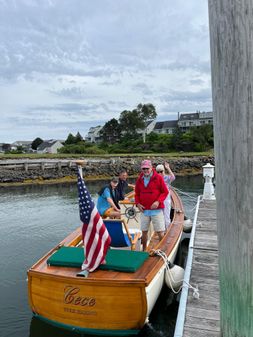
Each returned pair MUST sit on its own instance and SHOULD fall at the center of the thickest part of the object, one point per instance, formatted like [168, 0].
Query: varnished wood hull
[107, 302]
[89, 306]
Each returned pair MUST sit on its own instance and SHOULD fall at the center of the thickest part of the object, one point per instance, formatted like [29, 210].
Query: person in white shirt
[168, 180]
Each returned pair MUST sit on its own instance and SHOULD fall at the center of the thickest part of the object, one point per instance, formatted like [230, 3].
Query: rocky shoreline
[97, 169]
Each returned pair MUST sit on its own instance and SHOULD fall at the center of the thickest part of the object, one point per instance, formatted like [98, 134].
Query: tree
[111, 131]
[130, 122]
[202, 137]
[146, 112]
[176, 141]
[78, 138]
[70, 139]
[36, 142]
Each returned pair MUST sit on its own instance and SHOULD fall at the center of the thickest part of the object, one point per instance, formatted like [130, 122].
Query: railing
[29, 164]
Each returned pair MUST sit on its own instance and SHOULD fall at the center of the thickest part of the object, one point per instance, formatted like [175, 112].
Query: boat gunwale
[152, 265]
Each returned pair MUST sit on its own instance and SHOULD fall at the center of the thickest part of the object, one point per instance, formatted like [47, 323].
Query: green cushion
[116, 259]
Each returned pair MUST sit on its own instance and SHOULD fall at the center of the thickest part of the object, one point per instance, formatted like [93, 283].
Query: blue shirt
[102, 203]
[150, 212]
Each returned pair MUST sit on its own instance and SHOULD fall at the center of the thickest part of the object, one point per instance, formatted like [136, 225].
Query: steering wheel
[130, 213]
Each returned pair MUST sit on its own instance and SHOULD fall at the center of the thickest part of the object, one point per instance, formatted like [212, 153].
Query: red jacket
[156, 190]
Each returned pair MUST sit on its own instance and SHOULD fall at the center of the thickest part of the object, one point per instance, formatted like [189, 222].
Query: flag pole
[96, 239]
[80, 164]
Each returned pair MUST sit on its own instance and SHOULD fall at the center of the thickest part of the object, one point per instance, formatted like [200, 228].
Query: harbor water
[36, 218]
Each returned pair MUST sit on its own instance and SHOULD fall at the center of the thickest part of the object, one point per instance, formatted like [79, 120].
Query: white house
[198, 118]
[166, 127]
[49, 146]
[149, 127]
[93, 135]
[26, 145]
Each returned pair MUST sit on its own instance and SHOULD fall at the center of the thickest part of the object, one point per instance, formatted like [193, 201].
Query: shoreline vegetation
[111, 155]
[96, 168]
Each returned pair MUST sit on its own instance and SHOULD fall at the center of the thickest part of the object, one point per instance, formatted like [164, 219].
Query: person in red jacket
[150, 193]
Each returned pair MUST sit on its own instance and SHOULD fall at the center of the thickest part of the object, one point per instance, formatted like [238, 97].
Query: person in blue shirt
[106, 203]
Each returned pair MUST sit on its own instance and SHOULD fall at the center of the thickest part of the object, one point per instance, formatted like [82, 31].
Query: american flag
[96, 239]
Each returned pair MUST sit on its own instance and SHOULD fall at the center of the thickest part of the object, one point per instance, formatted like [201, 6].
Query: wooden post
[26, 166]
[231, 34]
[43, 166]
[59, 165]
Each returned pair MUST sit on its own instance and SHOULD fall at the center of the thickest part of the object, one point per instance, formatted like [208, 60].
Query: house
[166, 127]
[5, 147]
[25, 144]
[184, 122]
[198, 118]
[49, 146]
[149, 126]
[93, 135]
[206, 117]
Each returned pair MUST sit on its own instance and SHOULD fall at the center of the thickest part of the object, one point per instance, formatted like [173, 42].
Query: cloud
[64, 63]
[74, 93]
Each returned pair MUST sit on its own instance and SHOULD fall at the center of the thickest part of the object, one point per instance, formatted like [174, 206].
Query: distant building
[25, 144]
[93, 135]
[184, 122]
[188, 120]
[149, 127]
[49, 146]
[166, 127]
[5, 147]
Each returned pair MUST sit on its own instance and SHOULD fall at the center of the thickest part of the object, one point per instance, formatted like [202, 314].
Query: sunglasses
[145, 168]
[159, 171]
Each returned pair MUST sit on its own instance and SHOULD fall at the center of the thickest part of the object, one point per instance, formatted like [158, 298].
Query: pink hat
[146, 164]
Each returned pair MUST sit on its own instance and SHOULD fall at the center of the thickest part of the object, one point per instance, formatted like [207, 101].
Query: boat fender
[187, 225]
[174, 276]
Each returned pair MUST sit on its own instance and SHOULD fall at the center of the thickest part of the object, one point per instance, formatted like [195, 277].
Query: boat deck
[203, 314]
[143, 275]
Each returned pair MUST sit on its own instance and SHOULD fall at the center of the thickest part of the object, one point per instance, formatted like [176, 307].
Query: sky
[68, 65]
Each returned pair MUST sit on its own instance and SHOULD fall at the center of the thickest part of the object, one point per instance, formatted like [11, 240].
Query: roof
[188, 116]
[147, 123]
[165, 125]
[206, 115]
[22, 142]
[46, 144]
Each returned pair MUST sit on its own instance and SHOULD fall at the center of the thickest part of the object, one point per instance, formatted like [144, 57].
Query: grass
[127, 155]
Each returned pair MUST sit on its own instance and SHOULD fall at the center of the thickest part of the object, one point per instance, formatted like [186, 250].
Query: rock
[101, 168]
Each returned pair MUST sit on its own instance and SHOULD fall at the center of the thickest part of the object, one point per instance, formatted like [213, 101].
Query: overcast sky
[67, 65]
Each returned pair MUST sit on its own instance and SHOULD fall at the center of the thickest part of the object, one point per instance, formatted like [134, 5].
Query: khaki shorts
[157, 221]
[107, 212]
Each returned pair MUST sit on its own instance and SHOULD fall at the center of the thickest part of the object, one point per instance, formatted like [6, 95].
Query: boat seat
[121, 235]
[117, 260]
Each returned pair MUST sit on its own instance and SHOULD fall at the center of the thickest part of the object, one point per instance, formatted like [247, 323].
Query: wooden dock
[202, 315]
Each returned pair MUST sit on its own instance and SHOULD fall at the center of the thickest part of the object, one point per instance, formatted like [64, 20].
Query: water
[36, 218]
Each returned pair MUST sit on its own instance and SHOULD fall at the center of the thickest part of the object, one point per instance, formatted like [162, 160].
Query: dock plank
[203, 313]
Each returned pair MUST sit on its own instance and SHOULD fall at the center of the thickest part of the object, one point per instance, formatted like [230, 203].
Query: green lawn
[165, 155]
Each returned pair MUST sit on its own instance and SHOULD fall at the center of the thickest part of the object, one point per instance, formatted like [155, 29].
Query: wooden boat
[107, 302]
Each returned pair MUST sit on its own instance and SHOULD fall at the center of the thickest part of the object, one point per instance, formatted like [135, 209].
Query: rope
[170, 277]
[182, 192]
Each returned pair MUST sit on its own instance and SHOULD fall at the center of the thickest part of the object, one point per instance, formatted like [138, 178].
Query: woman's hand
[166, 165]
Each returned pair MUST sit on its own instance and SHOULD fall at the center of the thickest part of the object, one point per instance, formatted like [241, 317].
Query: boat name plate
[71, 296]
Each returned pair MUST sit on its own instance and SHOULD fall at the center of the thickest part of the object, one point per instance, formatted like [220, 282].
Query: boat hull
[89, 306]
[107, 302]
